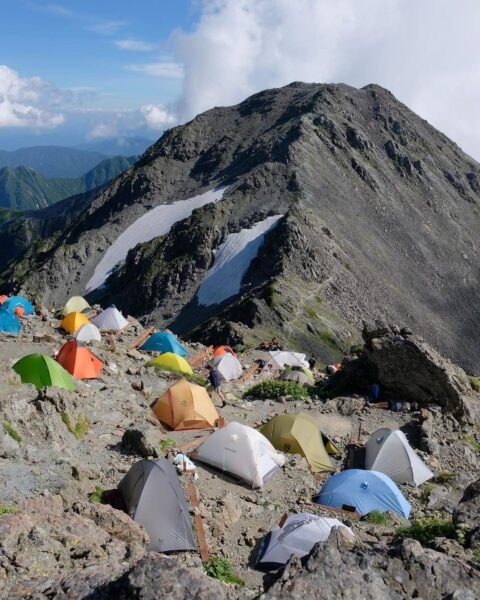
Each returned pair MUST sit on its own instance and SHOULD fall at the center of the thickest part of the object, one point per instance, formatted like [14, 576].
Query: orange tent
[220, 350]
[73, 321]
[185, 405]
[79, 361]
[3, 298]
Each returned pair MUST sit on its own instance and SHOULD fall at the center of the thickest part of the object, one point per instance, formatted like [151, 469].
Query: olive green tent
[299, 434]
[301, 375]
[43, 371]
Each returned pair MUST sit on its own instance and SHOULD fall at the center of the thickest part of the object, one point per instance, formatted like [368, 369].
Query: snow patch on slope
[232, 259]
[152, 224]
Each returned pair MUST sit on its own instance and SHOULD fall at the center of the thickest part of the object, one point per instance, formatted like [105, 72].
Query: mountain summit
[300, 212]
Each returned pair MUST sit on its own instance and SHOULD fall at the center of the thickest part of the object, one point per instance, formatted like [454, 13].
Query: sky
[77, 71]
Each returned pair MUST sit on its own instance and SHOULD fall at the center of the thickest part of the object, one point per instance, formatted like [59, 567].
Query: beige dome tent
[154, 499]
[389, 452]
[185, 405]
[243, 452]
[110, 319]
[75, 304]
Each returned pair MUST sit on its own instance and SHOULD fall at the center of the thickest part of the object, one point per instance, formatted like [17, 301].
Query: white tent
[296, 537]
[110, 319]
[228, 366]
[87, 332]
[389, 452]
[243, 452]
[279, 359]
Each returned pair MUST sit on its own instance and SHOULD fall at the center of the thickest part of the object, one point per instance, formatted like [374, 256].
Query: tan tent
[75, 304]
[298, 434]
[185, 406]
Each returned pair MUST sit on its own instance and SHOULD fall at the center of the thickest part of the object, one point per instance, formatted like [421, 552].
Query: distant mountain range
[62, 161]
[24, 188]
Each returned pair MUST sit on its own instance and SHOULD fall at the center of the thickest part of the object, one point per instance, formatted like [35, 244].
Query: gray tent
[154, 499]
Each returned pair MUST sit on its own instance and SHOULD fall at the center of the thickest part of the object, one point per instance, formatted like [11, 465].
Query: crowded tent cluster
[151, 491]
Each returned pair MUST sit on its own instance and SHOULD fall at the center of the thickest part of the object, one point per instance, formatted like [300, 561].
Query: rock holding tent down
[153, 497]
[228, 366]
[364, 491]
[242, 452]
[296, 537]
[110, 319]
[389, 452]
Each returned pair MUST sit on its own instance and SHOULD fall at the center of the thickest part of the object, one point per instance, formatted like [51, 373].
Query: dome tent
[75, 304]
[279, 359]
[43, 371]
[302, 376]
[19, 301]
[9, 322]
[73, 321]
[79, 361]
[171, 362]
[220, 350]
[164, 341]
[389, 452]
[185, 406]
[87, 333]
[296, 537]
[298, 434]
[154, 499]
[228, 367]
[365, 491]
[241, 451]
[110, 319]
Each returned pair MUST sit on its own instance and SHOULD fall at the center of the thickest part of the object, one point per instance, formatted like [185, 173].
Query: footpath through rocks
[62, 451]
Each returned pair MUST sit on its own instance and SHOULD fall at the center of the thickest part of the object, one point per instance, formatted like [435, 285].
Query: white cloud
[103, 131]
[135, 45]
[426, 52]
[157, 116]
[28, 101]
[158, 69]
[107, 27]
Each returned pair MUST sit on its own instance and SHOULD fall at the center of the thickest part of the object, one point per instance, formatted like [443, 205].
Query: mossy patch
[377, 518]
[222, 569]
[81, 426]
[426, 530]
[12, 432]
[7, 509]
[474, 383]
[97, 495]
[472, 442]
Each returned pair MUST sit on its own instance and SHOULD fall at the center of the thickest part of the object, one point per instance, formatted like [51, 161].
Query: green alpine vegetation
[24, 188]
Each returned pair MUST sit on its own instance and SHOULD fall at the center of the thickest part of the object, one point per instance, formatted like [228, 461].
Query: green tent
[298, 434]
[43, 371]
[301, 375]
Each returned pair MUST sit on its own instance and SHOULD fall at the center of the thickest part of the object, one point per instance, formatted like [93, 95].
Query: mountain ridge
[380, 210]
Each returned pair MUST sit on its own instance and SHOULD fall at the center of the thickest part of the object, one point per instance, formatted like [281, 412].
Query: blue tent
[9, 322]
[365, 490]
[163, 341]
[14, 301]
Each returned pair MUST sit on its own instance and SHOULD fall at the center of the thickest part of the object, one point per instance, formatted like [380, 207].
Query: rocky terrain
[379, 219]
[60, 449]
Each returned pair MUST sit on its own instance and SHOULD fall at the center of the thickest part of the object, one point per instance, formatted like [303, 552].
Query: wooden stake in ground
[197, 519]
[142, 338]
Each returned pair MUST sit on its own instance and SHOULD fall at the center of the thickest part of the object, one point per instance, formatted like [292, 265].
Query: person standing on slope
[214, 379]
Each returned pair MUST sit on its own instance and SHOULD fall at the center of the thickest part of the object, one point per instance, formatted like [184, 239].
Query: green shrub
[311, 313]
[12, 432]
[273, 389]
[7, 509]
[167, 443]
[378, 518]
[81, 426]
[221, 569]
[445, 477]
[474, 382]
[426, 491]
[426, 530]
[470, 439]
[97, 495]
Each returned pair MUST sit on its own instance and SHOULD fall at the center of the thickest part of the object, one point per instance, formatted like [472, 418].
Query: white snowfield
[152, 224]
[232, 259]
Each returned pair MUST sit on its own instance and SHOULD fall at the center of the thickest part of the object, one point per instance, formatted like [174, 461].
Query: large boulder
[406, 570]
[411, 370]
[467, 514]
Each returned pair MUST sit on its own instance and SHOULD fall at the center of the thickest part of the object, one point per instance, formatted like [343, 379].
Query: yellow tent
[298, 434]
[185, 406]
[172, 362]
[73, 321]
[75, 304]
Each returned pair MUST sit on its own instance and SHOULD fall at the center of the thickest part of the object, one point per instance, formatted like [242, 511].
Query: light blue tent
[164, 341]
[365, 490]
[9, 322]
[14, 301]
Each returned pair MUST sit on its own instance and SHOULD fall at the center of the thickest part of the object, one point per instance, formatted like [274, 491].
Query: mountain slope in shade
[23, 188]
[381, 216]
[52, 161]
